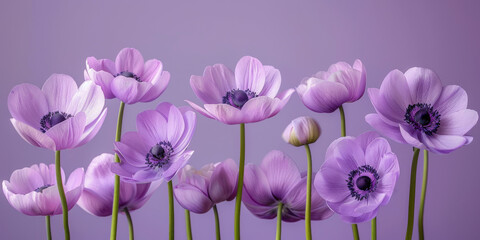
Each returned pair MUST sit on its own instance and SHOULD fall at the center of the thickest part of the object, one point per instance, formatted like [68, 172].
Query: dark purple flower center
[159, 155]
[423, 117]
[237, 98]
[129, 75]
[51, 119]
[40, 189]
[362, 181]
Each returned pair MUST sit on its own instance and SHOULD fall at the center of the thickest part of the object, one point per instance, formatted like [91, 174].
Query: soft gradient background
[299, 38]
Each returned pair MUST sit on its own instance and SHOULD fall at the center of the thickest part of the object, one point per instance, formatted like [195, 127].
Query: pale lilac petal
[392, 132]
[152, 70]
[352, 80]
[129, 60]
[273, 80]
[151, 126]
[395, 92]
[129, 90]
[386, 185]
[190, 119]
[59, 90]
[325, 96]
[257, 109]
[92, 129]
[23, 181]
[387, 114]
[68, 133]
[375, 151]
[99, 178]
[262, 211]
[175, 125]
[32, 135]
[458, 123]
[48, 202]
[105, 65]
[223, 181]
[346, 207]
[256, 184]
[191, 198]
[388, 164]
[159, 85]
[330, 182]
[200, 110]
[177, 164]
[366, 138]
[339, 66]
[95, 204]
[28, 104]
[102, 79]
[89, 99]
[225, 113]
[281, 172]
[132, 149]
[284, 98]
[295, 201]
[189, 175]
[142, 196]
[452, 99]
[424, 85]
[362, 218]
[75, 180]
[216, 81]
[410, 135]
[444, 143]
[349, 155]
[249, 74]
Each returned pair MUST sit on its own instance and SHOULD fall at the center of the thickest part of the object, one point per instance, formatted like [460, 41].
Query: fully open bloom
[97, 196]
[249, 95]
[358, 176]
[301, 131]
[129, 78]
[199, 190]
[60, 115]
[277, 180]
[33, 190]
[157, 150]
[415, 108]
[327, 91]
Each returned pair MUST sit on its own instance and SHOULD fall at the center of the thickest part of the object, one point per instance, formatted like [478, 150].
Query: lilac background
[42, 38]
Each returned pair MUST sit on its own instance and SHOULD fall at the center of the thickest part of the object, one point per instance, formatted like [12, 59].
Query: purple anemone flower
[97, 196]
[60, 115]
[199, 190]
[157, 150]
[327, 91]
[249, 95]
[33, 190]
[277, 180]
[415, 108]
[358, 176]
[129, 78]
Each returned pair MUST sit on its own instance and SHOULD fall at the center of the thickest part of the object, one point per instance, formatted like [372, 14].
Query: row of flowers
[358, 174]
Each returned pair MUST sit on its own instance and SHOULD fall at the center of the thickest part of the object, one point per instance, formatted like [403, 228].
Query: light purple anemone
[358, 176]
[415, 108]
[157, 150]
[97, 196]
[33, 190]
[326, 91]
[249, 95]
[129, 78]
[277, 180]
[199, 190]
[60, 115]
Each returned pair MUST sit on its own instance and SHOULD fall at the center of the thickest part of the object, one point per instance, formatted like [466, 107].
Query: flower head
[358, 176]
[199, 190]
[129, 78]
[60, 115]
[327, 91]
[33, 190]
[97, 196]
[415, 108]
[157, 150]
[277, 180]
[301, 131]
[249, 95]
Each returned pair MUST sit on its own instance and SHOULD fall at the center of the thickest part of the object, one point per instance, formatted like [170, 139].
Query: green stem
[130, 224]
[116, 191]
[308, 207]
[411, 198]
[49, 230]
[342, 117]
[241, 166]
[422, 197]
[62, 195]
[374, 228]
[188, 224]
[279, 221]
[171, 213]
[217, 222]
[355, 232]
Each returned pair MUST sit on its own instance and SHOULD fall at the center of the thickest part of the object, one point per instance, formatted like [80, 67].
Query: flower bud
[301, 131]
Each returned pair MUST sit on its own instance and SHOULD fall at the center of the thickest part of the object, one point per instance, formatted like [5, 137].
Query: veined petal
[200, 110]
[216, 81]
[132, 148]
[191, 198]
[28, 104]
[175, 125]
[250, 74]
[353, 81]
[95, 204]
[98, 65]
[190, 119]
[325, 96]
[59, 90]
[257, 186]
[424, 85]
[452, 99]
[152, 70]
[330, 182]
[129, 60]
[102, 79]
[458, 123]
[160, 83]
[273, 80]
[68, 133]
[396, 93]
[129, 90]
[152, 127]
[225, 113]
[281, 172]
[349, 155]
[411, 136]
[258, 109]
[177, 164]
[389, 115]
[223, 181]
[92, 129]
[88, 99]
[375, 151]
[32, 135]
[444, 143]
[392, 132]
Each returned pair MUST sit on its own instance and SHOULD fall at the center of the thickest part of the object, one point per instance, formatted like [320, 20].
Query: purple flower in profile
[199, 190]
[327, 91]
[129, 78]
[158, 149]
[358, 176]
[415, 108]
[277, 180]
[97, 196]
[60, 115]
[249, 95]
[33, 190]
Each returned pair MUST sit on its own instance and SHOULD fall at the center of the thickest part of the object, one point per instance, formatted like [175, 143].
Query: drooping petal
[92, 129]
[411, 136]
[59, 90]
[258, 109]
[32, 135]
[225, 113]
[200, 110]
[151, 125]
[152, 70]
[129, 90]
[273, 80]
[68, 133]
[223, 181]
[281, 172]
[424, 85]
[249, 74]
[88, 99]
[458, 123]
[28, 104]
[216, 81]
[452, 99]
[268, 211]
[325, 96]
[347, 207]
[191, 198]
[129, 60]
[362, 218]
[390, 131]
[444, 143]
[284, 98]
[159, 83]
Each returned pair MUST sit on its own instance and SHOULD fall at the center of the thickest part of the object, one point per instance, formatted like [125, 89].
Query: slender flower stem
[241, 166]
[374, 228]
[411, 198]
[422, 197]
[62, 195]
[49, 230]
[171, 213]
[279, 221]
[342, 118]
[217, 222]
[116, 193]
[355, 232]
[308, 207]
[188, 225]
[130, 224]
